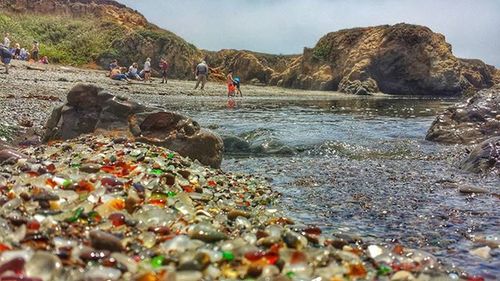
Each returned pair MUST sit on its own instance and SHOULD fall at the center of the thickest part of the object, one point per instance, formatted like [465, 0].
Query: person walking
[147, 70]
[201, 73]
[164, 69]
[6, 56]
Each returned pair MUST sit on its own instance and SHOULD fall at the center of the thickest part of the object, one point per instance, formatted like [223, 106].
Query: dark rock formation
[484, 158]
[90, 109]
[470, 122]
[400, 59]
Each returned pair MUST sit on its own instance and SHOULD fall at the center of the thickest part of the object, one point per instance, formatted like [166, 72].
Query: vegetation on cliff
[87, 41]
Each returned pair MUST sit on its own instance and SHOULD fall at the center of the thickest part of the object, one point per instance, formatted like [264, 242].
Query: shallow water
[359, 166]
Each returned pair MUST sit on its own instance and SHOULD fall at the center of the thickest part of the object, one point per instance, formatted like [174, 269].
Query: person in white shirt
[133, 72]
[147, 70]
[6, 40]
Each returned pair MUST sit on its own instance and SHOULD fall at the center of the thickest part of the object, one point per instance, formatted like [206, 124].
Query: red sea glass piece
[33, 225]
[117, 219]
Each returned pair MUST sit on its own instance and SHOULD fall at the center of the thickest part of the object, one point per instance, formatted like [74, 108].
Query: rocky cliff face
[398, 59]
[251, 67]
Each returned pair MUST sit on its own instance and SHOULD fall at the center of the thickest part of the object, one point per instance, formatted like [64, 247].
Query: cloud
[287, 26]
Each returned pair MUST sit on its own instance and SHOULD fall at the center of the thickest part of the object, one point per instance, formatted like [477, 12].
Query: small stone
[374, 251]
[101, 240]
[402, 276]
[467, 189]
[90, 168]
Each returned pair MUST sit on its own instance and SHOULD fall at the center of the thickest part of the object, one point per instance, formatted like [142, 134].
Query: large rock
[90, 109]
[401, 59]
[484, 158]
[470, 122]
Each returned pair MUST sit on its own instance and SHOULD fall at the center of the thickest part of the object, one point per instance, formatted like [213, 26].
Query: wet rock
[468, 189]
[234, 144]
[101, 240]
[89, 109]
[484, 158]
[470, 122]
[10, 156]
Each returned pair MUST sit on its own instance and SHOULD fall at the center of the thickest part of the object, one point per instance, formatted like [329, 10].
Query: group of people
[7, 52]
[132, 72]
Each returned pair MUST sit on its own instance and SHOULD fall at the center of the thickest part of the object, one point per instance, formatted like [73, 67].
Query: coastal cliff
[397, 59]
[400, 59]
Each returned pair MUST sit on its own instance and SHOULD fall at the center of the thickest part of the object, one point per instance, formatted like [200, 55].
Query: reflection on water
[359, 166]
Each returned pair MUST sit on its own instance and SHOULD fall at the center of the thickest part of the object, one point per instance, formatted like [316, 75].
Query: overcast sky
[287, 26]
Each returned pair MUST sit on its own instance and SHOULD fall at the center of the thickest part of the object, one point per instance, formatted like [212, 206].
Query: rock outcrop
[250, 67]
[484, 158]
[399, 59]
[470, 122]
[90, 109]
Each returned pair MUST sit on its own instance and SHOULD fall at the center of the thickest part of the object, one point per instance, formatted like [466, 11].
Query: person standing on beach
[6, 56]
[164, 70]
[231, 89]
[35, 51]
[147, 70]
[6, 40]
[201, 73]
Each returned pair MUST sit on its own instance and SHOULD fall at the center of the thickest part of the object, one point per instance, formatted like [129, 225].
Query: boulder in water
[484, 158]
[471, 122]
[90, 109]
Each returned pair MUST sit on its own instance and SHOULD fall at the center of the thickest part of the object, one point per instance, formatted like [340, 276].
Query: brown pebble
[233, 214]
[101, 240]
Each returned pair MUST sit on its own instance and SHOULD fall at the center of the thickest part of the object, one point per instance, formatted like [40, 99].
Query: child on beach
[236, 83]
[231, 89]
[44, 60]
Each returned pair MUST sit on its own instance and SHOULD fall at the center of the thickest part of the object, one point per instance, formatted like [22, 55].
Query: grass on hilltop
[78, 41]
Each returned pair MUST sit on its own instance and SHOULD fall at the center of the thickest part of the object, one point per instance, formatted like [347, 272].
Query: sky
[287, 26]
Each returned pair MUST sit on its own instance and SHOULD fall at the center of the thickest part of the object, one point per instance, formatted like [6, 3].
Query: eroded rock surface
[484, 158]
[470, 122]
[90, 109]
[399, 59]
